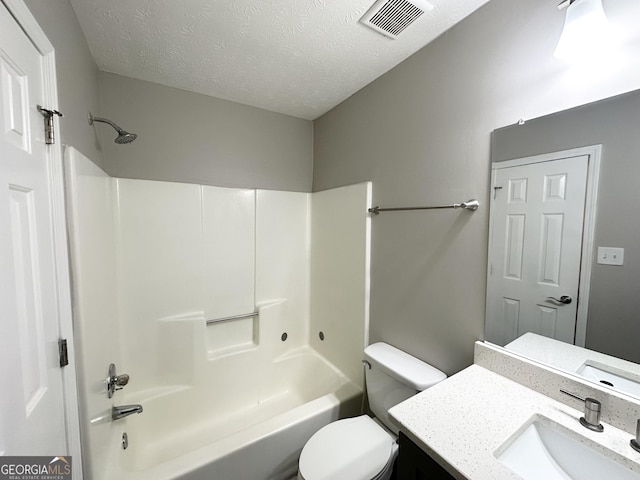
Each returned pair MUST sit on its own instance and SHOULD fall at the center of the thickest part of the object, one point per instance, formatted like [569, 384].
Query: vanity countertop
[462, 421]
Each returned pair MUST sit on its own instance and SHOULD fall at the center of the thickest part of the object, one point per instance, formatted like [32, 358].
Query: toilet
[365, 448]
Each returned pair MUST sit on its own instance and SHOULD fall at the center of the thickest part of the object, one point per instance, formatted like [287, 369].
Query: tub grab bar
[233, 317]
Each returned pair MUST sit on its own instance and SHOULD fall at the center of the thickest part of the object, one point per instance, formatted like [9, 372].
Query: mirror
[611, 308]
[605, 370]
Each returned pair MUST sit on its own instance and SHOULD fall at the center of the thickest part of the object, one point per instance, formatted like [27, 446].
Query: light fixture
[586, 33]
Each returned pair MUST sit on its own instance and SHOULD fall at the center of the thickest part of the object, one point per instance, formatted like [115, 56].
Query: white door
[536, 244]
[31, 396]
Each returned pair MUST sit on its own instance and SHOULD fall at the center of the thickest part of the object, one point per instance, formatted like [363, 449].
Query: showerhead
[123, 136]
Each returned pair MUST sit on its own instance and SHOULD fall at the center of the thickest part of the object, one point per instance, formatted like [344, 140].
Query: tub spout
[124, 411]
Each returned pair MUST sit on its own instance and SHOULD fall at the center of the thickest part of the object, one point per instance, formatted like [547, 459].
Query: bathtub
[246, 426]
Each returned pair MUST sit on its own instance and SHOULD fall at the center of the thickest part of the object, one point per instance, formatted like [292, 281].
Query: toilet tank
[393, 377]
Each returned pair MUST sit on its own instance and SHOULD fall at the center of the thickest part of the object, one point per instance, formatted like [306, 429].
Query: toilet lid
[353, 448]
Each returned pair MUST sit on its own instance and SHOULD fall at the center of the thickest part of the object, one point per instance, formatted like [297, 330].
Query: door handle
[564, 299]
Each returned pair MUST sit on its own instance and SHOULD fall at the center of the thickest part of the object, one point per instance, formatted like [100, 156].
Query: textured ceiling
[298, 57]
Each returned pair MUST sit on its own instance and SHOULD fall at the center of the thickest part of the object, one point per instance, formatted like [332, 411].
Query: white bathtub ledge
[464, 420]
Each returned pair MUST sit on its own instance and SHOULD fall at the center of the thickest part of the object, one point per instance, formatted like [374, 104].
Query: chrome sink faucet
[592, 411]
[635, 442]
[124, 411]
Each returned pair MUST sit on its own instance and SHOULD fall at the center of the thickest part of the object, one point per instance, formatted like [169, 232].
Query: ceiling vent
[391, 17]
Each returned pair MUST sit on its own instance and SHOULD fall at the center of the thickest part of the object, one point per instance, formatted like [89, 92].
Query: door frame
[594, 155]
[53, 157]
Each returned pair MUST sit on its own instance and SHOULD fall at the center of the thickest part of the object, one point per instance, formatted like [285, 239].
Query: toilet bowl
[365, 448]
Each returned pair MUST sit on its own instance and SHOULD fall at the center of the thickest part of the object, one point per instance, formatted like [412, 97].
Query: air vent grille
[391, 17]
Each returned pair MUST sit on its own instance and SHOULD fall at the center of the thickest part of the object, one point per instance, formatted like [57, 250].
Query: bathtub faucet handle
[114, 381]
[122, 380]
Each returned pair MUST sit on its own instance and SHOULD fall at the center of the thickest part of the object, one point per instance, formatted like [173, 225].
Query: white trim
[32, 29]
[489, 293]
[23, 16]
[594, 154]
[549, 157]
[588, 238]
[367, 261]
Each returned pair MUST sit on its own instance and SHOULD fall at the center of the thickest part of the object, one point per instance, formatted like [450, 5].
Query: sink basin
[610, 378]
[544, 450]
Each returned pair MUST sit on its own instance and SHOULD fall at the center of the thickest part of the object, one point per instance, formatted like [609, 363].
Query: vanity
[502, 417]
[415, 464]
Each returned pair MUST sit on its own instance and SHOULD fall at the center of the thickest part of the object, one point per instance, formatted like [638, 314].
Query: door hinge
[495, 191]
[49, 134]
[64, 355]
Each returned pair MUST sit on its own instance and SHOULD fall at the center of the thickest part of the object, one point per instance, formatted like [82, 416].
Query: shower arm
[104, 120]
[123, 136]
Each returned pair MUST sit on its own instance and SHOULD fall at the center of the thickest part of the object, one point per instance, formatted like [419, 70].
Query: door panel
[31, 400]
[14, 93]
[538, 212]
[27, 282]
[551, 248]
[515, 244]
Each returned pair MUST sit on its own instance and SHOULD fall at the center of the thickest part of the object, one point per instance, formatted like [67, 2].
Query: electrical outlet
[610, 256]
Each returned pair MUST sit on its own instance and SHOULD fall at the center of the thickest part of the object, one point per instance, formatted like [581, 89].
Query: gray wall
[421, 133]
[188, 137]
[184, 136]
[76, 71]
[614, 302]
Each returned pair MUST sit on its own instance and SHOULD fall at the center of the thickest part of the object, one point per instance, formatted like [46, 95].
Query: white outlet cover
[610, 256]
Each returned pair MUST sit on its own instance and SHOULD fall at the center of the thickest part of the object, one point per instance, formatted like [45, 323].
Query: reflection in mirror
[542, 225]
[605, 370]
[528, 244]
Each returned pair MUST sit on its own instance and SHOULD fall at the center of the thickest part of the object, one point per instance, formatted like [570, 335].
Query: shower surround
[159, 266]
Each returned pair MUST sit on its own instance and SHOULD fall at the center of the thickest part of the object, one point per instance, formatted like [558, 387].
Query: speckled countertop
[463, 421]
